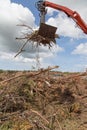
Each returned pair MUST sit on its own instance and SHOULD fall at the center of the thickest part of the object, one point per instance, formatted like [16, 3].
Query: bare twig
[59, 124]
[31, 74]
[76, 76]
[21, 49]
[25, 26]
[6, 117]
[46, 121]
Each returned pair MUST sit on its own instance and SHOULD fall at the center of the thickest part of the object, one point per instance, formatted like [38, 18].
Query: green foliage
[27, 90]
[16, 124]
[6, 126]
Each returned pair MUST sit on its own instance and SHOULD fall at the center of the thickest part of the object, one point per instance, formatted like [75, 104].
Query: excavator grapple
[47, 31]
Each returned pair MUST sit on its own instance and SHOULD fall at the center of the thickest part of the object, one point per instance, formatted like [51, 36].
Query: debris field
[43, 100]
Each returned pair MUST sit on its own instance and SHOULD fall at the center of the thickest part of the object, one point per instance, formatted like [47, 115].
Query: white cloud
[42, 51]
[81, 49]
[50, 11]
[78, 5]
[66, 26]
[10, 56]
[11, 15]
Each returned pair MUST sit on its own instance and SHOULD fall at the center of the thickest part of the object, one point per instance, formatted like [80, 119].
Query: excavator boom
[73, 14]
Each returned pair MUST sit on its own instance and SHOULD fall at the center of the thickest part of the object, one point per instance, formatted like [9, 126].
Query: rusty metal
[47, 31]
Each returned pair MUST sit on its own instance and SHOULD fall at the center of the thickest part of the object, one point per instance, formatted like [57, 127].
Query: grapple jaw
[47, 31]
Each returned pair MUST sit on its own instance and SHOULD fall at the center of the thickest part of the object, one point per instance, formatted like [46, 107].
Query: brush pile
[34, 36]
[43, 101]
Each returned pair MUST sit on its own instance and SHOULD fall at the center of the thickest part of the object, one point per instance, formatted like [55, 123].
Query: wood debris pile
[33, 36]
[43, 101]
[36, 37]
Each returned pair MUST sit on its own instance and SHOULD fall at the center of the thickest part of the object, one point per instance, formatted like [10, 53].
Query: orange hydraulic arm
[73, 14]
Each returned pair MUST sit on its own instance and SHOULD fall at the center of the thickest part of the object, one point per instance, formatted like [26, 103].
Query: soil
[47, 101]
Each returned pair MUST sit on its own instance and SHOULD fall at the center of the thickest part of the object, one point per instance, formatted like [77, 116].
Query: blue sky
[70, 52]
